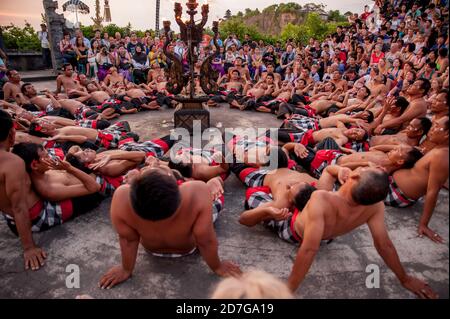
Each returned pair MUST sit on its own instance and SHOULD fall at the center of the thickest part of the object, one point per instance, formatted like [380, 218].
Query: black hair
[402, 103]
[271, 75]
[303, 196]
[370, 117]
[29, 152]
[373, 187]
[35, 130]
[367, 90]
[411, 47]
[75, 162]
[155, 196]
[8, 73]
[185, 169]
[23, 88]
[278, 156]
[6, 124]
[412, 157]
[443, 52]
[103, 124]
[425, 86]
[65, 65]
[426, 124]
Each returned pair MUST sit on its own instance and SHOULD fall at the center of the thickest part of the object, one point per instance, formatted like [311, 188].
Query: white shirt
[43, 37]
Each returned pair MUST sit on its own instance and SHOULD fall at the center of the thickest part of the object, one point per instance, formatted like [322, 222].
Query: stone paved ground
[337, 272]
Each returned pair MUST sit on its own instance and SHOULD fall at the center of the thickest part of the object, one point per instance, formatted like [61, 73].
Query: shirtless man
[17, 196]
[427, 177]
[270, 69]
[310, 123]
[339, 82]
[67, 81]
[167, 219]
[199, 164]
[108, 138]
[48, 104]
[412, 135]
[340, 134]
[116, 163]
[114, 79]
[141, 97]
[286, 195]
[281, 95]
[12, 88]
[392, 108]
[418, 106]
[328, 215]
[264, 88]
[439, 108]
[54, 181]
[243, 70]
[391, 159]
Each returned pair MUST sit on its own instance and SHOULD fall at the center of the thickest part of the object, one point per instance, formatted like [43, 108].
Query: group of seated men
[333, 164]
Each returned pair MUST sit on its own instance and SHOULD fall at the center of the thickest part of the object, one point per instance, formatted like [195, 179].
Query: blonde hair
[254, 284]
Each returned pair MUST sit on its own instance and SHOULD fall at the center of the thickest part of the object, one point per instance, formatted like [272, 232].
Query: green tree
[21, 39]
[240, 14]
[113, 28]
[88, 31]
[228, 14]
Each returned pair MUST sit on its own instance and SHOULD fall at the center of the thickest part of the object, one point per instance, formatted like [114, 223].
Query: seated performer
[328, 215]
[426, 178]
[167, 219]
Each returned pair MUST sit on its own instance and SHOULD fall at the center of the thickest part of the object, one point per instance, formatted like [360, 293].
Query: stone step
[38, 76]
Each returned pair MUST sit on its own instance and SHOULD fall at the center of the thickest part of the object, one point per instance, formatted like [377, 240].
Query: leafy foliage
[21, 39]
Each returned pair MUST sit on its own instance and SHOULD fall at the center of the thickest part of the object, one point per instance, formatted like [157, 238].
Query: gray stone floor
[338, 271]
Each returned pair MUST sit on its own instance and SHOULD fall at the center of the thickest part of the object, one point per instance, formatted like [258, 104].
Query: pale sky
[141, 13]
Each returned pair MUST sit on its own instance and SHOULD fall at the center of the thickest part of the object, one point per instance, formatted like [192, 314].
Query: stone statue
[56, 23]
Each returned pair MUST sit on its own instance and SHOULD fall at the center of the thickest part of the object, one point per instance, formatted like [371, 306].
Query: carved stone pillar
[56, 23]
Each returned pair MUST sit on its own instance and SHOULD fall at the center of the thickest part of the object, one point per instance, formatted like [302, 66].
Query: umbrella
[76, 6]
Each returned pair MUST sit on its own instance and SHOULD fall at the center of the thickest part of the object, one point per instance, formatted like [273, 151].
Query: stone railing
[25, 61]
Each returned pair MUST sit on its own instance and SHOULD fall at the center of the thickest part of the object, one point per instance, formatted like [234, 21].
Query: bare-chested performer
[11, 89]
[310, 123]
[231, 89]
[243, 70]
[108, 138]
[17, 197]
[412, 135]
[48, 104]
[199, 164]
[392, 159]
[439, 108]
[418, 106]
[340, 136]
[271, 103]
[253, 95]
[168, 220]
[116, 163]
[283, 196]
[426, 178]
[67, 81]
[328, 215]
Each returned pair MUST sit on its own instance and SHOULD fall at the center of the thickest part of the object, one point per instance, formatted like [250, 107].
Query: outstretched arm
[15, 179]
[128, 239]
[205, 236]
[387, 251]
[436, 179]
[314, 228]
